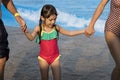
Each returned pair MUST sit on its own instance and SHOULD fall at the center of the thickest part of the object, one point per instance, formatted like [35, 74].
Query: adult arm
[90, 29]
[11, 8]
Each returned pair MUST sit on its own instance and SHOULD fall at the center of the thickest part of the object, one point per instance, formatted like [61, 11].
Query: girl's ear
[42, 18]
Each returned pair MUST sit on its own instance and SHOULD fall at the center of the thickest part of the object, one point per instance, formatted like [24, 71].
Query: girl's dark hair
[46, 12]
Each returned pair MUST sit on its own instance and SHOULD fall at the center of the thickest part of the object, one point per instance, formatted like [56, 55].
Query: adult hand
[89, 31]
[21, 23]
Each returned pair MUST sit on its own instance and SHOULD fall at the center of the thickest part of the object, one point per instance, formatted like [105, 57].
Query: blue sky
[72, 14]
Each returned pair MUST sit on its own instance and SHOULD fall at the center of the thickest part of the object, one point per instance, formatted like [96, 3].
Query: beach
[82, 58]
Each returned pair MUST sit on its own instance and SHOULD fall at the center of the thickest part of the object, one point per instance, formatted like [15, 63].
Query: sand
[81, 58]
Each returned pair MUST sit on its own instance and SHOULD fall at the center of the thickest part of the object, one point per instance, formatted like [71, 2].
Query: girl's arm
[70, 33]
[90, 29]
[31, 36]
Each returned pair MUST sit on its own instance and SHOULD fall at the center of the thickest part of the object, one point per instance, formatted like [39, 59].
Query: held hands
[89, 31]
[21, 23]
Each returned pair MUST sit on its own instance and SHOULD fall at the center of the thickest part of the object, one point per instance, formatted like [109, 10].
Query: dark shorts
[4, 50]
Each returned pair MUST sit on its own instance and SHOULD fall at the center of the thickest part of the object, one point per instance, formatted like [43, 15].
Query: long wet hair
[46, 12]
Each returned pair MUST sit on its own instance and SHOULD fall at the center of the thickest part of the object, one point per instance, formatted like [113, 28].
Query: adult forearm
[98, 12]
[10, 6]
[96, 15]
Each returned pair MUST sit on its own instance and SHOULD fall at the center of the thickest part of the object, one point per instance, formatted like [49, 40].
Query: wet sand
[81, 58]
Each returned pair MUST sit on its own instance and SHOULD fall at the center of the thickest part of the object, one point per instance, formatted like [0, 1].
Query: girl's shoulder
[57, 27]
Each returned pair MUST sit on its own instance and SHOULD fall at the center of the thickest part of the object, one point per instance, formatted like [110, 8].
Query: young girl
[47, 31]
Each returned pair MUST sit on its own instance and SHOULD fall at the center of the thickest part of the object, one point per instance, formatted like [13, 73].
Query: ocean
[72, 14]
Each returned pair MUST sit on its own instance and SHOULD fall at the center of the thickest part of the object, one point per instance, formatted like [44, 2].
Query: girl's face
[49, 22]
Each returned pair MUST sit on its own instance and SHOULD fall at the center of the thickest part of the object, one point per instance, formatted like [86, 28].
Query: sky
[72, 14]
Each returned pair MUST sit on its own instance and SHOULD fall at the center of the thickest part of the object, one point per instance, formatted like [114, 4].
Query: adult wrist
[16, 14]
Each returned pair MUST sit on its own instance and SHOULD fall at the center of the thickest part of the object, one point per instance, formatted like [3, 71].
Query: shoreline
[81, 58]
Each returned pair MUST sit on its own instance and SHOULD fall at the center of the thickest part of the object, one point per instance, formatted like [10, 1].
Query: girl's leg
[114, 46]
[2, 66]
[44, 69]
[56, 70]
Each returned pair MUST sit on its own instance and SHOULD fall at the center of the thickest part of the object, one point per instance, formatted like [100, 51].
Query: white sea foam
[63, 18]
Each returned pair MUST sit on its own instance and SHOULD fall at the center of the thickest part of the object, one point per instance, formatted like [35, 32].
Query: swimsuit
[48, 46]
[113, 21]
[4, 50]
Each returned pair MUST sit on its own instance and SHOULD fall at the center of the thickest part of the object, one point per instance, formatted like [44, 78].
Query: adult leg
[4, 50]
[2, 66]
[44, 68]
[56, 70]
[114, 46]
